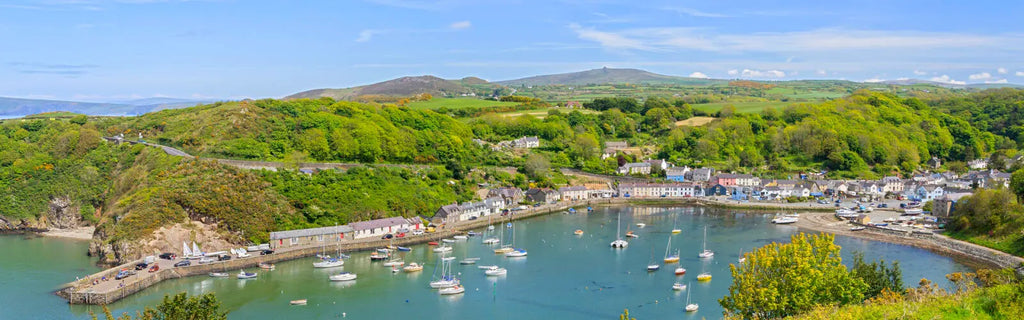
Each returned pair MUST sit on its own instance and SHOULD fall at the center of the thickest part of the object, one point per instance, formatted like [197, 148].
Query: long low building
[302, 237]
[652, 190]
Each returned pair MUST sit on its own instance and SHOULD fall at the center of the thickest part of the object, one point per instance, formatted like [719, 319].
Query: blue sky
[102, 50]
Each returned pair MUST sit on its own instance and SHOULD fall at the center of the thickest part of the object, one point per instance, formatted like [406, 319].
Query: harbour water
[565, 276]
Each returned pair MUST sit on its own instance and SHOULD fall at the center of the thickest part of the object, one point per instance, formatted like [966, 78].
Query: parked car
[401, 235]
[266, 252]
[536, 204]
[141, 266]
[168, 256]
[387, 236]
[224, 257]
[183, 263]
[123, 274]
[417, 232]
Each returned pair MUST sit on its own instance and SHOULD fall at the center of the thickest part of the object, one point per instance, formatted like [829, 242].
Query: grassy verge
[1012, 244]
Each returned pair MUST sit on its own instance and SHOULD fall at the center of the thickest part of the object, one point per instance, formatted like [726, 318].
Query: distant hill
[404, 86]
[17, 107]
[606, 75]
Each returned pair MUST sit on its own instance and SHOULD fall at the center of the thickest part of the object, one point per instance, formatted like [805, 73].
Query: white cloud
[947, 79]
[607, 39]
[1020, 73]
[920, 73]
[821, 72]
[733, 72]
[698, 75]
[980, 76]
[1001, 70]
[366, 35]
[820, 40]
[997, 81]
[748, 73]
[695, 13]
[873, 80]
[460, 25]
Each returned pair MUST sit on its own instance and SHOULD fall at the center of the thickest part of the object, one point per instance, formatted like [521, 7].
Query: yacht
[678, 286]
[619, 243]
[343, 276]
[680, 271]
[246, 275]
[706, 253]
[496, 271]
[413, 267]
[690, 307]
[329, 262]
[456, 289]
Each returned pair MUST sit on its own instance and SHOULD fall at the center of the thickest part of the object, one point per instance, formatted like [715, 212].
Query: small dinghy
[300, 302]
[246, 275]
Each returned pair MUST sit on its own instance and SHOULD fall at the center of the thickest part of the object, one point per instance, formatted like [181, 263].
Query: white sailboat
[456, 289]
[195, 250]
[653, 266]
[491, 239]
[185, 252]
[515, 252]
[690, 307]
[495, 271]
[619, 243]
[674, 229]
[326, 261]
[706, 253]
[742, 257]
[505, 248]
[446, 280]
[669, 256]
[343, 276]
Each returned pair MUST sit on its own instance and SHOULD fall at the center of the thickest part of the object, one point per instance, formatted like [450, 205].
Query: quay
[88, 291]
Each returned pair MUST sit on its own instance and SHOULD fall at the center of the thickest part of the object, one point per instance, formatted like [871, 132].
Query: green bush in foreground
[178, 307]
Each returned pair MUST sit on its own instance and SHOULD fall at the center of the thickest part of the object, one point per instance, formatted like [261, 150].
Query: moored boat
[343, 276]
[578, 232]
[300, 302]
[246, 275]
[516, 253]
[413, 267]
[619, 243]
[404, 249]
[705, 253]
[678, 286]
[460, 237]
[266, 266]
[704, 277]
[442, 249]
[469, 261]
[219, 274]
[329, 262]
[784, 220]
[432, 243]
[690, 307]
[456, 289]
[680, 271]
[857, 228]
[495, 271]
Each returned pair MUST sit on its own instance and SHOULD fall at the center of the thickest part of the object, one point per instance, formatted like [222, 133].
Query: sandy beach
[80, 233]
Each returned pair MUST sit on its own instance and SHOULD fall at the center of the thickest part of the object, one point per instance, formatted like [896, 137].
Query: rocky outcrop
[63, 214]
[165, 239]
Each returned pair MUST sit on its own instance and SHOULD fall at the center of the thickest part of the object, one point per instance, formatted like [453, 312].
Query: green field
[542, 113]
[744, 107]
[459, 103]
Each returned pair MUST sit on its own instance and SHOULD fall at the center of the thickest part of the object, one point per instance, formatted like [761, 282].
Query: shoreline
[79, 233]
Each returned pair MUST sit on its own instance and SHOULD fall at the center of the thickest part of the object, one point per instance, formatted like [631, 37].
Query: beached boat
[206, 260]
[912, 212]
[343, 276]
[300, 302]
[219, 274]
[857, 228]
[619, 243]
[678, 286]
[495, 271]
[460, 237]
[784, 220]
[266, 266]
[378, 256]
[705, 253]
[246, 275]
[456, 289]
[589, 209]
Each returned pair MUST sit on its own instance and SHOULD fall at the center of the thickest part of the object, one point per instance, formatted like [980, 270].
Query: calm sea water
[564, 276]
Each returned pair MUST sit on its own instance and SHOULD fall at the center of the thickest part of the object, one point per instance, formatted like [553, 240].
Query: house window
[293, 241]
[320, 238]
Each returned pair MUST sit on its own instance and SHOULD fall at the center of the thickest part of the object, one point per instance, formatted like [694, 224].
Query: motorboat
[674, 231]
[329, 263]
[266, 266]
[678, 286]
[460, 237]
[469, 261]
[491, 241]
[578, 232]
[472, 234]
[704, 277]
[432, 243]
[343, 276]
[630, 234]
[246, 275]
[486, 267]
[219, 274]
[490, 227]
[456, 289]
[447, 258]
[413, 267]
[653, 267]
[641, 225]
[443, 249]
[680, 271]
[858, 228]
[448, 240]
[619, 243]
[377, 256]
[300, 302]
[496, 271]
[516, 253]
[404, 249]
[394, 263]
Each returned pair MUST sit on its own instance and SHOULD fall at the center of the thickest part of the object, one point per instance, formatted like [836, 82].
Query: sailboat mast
[669, 246]
[705, 238]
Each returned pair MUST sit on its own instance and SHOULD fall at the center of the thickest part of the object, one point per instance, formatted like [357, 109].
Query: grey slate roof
[277, 235]
[378, 223]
